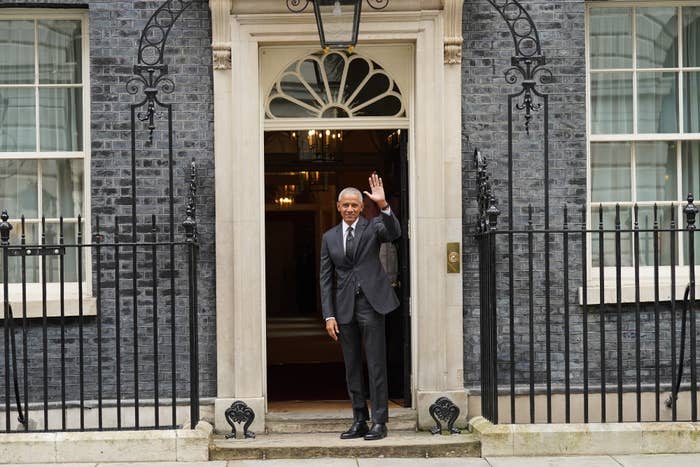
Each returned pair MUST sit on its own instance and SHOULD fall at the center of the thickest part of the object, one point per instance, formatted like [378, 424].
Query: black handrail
[13, 351]
[681, 357]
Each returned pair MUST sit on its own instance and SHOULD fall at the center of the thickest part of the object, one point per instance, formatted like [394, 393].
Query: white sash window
[644, 118]
[44, 140]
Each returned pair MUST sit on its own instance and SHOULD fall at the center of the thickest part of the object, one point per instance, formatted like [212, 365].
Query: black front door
[399, 322]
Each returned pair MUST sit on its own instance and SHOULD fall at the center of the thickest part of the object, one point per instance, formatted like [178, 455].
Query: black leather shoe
[357, 430]
[378, 431]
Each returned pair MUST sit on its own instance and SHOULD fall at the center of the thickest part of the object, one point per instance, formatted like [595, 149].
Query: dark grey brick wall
[115, 29]
[488, 47]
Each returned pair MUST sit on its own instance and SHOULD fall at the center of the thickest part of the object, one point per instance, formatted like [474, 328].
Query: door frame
[435, 206]
[395, 58]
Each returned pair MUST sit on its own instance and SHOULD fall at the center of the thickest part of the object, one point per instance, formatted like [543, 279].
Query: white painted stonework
[148, 446]
[417, 29]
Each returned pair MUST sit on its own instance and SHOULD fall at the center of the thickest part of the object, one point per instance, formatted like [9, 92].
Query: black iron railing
[134, 355]
[578, 325]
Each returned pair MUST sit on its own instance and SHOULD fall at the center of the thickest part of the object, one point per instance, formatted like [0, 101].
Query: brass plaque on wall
[453, 257]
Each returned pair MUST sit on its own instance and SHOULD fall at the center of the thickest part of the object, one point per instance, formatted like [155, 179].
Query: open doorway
[304, 172]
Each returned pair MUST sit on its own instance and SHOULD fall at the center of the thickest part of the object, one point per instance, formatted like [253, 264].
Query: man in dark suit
[355, 296]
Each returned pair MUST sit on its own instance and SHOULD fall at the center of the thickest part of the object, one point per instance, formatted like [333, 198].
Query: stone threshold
[108, 446]
[406, 444]
[331, 421]
[561, 439]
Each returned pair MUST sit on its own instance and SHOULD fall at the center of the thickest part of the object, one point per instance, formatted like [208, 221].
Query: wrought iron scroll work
[444, 410]
[528, 63]
[297, 6]
[522, 28]
[190, 222]
[378, 4]
[528, 70]
[150, 71]
[240, 412]
[488, 211]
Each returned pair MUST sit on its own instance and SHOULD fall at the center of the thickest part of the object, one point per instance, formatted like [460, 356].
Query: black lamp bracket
[297, 6]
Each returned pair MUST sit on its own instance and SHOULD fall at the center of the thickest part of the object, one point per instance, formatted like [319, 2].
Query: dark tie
[349, 245]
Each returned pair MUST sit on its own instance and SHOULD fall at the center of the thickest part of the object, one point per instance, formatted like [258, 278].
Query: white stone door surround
[435, 193]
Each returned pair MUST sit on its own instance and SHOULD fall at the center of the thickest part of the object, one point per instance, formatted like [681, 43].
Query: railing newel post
[691, 212]
[190, 225]
[5, 228]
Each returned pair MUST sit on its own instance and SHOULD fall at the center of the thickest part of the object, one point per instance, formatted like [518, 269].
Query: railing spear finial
[5, 228]
[690, 211]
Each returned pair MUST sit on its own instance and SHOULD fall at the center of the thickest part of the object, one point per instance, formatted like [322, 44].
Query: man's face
[350, 206]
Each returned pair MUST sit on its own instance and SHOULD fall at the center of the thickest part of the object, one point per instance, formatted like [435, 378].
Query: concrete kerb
[108, 446]
[559, 439]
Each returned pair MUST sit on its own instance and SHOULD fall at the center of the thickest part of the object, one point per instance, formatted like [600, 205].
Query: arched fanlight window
[334, 85]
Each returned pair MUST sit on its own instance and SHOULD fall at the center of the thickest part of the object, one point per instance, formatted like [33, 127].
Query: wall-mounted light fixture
[338, 21]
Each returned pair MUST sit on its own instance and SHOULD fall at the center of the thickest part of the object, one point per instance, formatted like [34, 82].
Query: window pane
[611, 38]
[690, 151]
[646, 239]
[611, 102]
[282, 107]
[62, 187]
[15, 263]
[388, 105]
[59, 51]
[691, 36]
[657, 36]
[60, 118]
[16, 52]
[609, 236]
[70, 264]
[17, 120]
[656, 171]
[610, 172]
[657, 106]
[691, 91]
[334, 65]
[18, 188]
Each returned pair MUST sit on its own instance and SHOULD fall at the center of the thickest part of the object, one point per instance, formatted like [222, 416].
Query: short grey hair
[350, 191]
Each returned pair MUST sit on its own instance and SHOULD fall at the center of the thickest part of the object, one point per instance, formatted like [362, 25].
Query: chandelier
[286, 195]
[318, 145]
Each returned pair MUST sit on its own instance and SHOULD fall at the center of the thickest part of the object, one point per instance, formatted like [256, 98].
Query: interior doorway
[304, 172]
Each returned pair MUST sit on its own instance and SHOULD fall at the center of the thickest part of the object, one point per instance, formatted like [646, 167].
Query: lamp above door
[338, 21]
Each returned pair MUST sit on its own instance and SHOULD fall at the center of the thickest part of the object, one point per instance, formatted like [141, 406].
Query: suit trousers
[366, 330]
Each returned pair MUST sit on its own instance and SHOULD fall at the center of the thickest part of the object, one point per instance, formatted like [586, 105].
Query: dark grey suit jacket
[338, 300]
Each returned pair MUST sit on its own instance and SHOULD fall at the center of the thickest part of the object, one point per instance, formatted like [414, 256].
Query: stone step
[410, 444]
[336, 421]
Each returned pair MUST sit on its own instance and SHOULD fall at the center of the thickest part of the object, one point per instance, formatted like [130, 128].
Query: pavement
[659, 460]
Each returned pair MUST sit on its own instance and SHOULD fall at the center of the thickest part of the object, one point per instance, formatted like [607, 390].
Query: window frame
[646, 273]
[34, 290]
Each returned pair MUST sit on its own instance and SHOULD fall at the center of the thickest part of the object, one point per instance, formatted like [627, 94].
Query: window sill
[628, 292]
[53, 308]
[35, 303]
